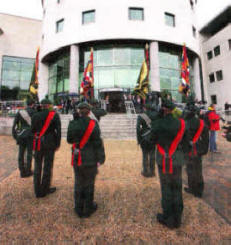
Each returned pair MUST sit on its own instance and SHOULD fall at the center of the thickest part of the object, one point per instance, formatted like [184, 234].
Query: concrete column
[154, 67]
[43, 81]
[197, 81]
[74, 69]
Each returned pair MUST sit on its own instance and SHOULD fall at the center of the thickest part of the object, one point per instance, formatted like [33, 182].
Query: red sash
[38, 136]
[196, 138]
[172, 148]
[83, 142]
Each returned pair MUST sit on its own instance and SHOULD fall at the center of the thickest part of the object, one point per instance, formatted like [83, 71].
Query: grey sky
[206, 9]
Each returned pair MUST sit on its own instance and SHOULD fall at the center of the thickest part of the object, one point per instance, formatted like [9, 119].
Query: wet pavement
[216, 170]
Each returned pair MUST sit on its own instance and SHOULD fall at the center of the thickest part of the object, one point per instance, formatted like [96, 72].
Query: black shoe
[28, 174]
[151, 175]
[145, 174]
[199, 195]
[51, 190]
[23, 174]
[90, 211]
[79, 212]
[188, 190]
[169, 222]
[177, 222]
[40, 195]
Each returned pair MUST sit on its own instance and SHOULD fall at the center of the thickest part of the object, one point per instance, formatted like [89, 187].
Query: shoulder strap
[83, 141]
[24, 114]
[50, 116]
[146, 119]
[199, 131]
[92, 116]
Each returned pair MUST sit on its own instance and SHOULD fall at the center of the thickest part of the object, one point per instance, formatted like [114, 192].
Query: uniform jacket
[52, 136]
[98, 112]
[21, 123]
[163, 132]
[93, 151]
[142, 128]
[192, 126]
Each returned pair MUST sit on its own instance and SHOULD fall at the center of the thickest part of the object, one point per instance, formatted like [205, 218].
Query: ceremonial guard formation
[87, 154]
[21, 132]
[46, 127]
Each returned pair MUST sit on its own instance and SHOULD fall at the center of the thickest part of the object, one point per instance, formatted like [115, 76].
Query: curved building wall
[118, 41]
[112, 22]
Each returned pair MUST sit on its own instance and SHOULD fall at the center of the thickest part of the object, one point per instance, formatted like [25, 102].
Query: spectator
[214, 125]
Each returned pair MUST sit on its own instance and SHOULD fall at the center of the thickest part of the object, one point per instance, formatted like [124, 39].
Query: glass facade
[114, 66]
[17, 72]
[170, 70]
[58, 82]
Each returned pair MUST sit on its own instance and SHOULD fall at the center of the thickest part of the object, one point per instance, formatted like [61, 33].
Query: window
[194, 31]
[136, 14]
[88, 17]
[217, 51]
[219, 75]
[191, 3]
[169, 19]
[212, 78]
[229, 44]
[58, 1]
[213, 99]
[59, 25]
[210, 55]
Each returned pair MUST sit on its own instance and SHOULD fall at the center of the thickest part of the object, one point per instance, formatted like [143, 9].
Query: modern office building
[216, 58]
[19, 39]
[117, 30]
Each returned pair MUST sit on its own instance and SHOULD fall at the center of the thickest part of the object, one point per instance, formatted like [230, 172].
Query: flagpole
[92, 85]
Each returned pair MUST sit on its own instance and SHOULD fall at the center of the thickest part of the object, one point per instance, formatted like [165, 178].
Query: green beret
[168, 104]
[46, 102]
[84, 105]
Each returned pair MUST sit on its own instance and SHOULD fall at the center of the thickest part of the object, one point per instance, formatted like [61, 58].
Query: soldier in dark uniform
[199, 139]
[98, 112]
[88, 152]
[171, 138]
[143, 127]
[46, 127]
[21, 132]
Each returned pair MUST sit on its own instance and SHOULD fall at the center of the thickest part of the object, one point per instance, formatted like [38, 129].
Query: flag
[87, 84]
[33, 88]
[185, 83]
[142, 86]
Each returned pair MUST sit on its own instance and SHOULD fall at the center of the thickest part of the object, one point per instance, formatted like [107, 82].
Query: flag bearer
[199, 139]
[171, 140]
[87, 153]
[143, 127]
[46, 127]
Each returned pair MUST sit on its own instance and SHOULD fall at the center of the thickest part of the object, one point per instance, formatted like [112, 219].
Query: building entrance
[114, 99]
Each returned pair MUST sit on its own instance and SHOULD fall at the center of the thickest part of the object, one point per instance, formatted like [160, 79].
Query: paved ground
[216, 167]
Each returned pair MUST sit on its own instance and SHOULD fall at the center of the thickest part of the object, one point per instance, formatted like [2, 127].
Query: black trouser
[148, 160]
[171, 189]
[26, 146]
[84, 188]
[195, 177]
[43, 161]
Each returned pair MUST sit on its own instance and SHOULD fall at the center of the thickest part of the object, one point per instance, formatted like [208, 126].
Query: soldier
[170, 136]
[98, 112]
[87, 153]
[46, 127]
[199, 139]
[21, 132]
[143, 127]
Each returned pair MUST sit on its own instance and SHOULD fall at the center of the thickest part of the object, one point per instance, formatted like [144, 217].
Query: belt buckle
[76, 151]
[166, 155]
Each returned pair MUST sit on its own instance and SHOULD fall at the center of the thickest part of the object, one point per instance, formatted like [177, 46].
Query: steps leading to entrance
[113, 126]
